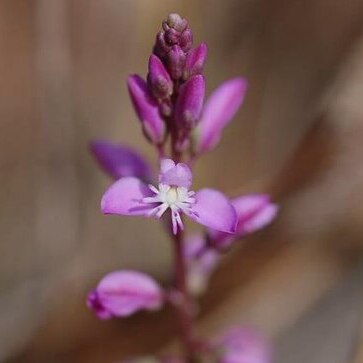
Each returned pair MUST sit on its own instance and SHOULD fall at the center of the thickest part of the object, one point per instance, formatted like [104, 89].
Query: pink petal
[124, 197]
[175, 174]
[146, 108]
[119, 161]
[121, 293]
[213, 209]
[219, 110]
[254, 212]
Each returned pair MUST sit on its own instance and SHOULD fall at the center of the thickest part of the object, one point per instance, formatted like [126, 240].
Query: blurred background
[299, 137]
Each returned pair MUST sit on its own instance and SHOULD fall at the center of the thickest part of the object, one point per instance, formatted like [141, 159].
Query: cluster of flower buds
[170, 106]
[170, 101]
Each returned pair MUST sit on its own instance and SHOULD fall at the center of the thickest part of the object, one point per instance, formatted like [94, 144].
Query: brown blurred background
[63, 66]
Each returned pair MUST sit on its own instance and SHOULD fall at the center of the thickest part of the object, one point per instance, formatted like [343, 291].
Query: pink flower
[119, 161]
[242, 345]
[219, 110]
[254, 212]
[209, 207]
[122, 293]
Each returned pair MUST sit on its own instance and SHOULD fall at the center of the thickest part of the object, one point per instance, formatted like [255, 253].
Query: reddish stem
[184, 308]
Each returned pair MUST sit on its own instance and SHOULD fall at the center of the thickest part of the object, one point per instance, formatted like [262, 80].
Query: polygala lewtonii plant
[182, 127]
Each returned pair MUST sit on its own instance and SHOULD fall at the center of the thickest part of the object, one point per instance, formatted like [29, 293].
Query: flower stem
[185, 306]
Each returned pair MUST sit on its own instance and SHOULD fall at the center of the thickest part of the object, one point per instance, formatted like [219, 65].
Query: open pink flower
[122, 293]
[209, 207]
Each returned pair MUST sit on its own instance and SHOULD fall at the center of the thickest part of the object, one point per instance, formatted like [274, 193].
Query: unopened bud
[146, 108]
[186, 40]
[176, 22]
[158, 78]
[172, 37]
[161, 48]
[176, 62]
[190, 102]
[195, 61]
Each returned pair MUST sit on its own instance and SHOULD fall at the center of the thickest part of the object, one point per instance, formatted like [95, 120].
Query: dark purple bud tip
[94, 303]
[158, 78]
[176, 22]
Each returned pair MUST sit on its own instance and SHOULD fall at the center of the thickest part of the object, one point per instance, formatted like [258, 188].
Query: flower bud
[172, 37]
[158, 78]
[195, 61]
[190, 102]
[161, 49]
[176, 22]
[186, 40]
[122, 293]
[175, 61]
[146, 108]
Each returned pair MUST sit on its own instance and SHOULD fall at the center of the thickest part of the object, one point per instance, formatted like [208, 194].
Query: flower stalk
[185, 305]
[170, 107]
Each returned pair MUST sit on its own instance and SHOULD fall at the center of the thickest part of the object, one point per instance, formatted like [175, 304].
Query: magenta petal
[175, 174]
[146, 108]
[121, 293]
[213, 209]
[254, 212]
[190, 102]
[119, 161]
[125, 196]
[219, 110]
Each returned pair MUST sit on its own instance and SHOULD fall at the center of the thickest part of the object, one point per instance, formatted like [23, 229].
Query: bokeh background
[299, 136]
